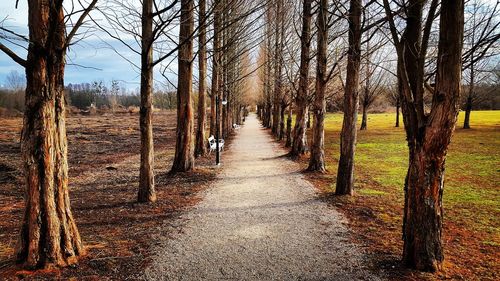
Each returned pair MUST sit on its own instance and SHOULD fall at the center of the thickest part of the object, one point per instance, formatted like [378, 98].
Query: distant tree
[113, 95]
[372, 89]
[374, 59]
[14, 97]
[15, 81]
[393, 96]
[482, 21]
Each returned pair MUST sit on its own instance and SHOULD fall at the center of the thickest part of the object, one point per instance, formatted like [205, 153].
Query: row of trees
[49, 235]
[428, 59]
[355, 57]
[83, 96]
[378, 78]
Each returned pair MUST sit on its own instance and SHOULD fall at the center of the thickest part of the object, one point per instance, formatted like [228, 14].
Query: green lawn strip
[472, 167]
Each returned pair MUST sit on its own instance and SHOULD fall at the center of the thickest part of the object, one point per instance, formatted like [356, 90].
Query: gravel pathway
[260, 221]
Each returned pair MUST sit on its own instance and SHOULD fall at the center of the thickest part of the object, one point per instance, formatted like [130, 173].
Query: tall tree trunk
[215, 69]
[277, 71]
[146, 172]
[49, 236]
[364, 119]
[423, 214]
[225, 68]
[345, 173]
[224, 108]
[269, 108]
[184, 146]
[299, 145]
[468, 109]
[398, 104]
[288, 142]
[281, 133]
[317, 160]
[201, 147]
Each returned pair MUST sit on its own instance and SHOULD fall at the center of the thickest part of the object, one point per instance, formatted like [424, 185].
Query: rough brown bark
[201, 146]
[317, 157]
[428, 135]
[184, 147]
[345, 173]
[423, 248]
[49, 236]
[146, 171]
[299, 144]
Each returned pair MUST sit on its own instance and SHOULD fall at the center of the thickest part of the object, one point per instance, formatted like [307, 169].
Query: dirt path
[260, 221]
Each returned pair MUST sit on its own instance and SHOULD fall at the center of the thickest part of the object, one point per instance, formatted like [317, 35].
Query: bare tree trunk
[345, 173]
[423, 214]
[281, 133]
[288, 142]
[277, 71]
[224, 109]
[146, 172]
[215, 69]
[184, 147]
[364, 119]
[468, 109]
[49, 236]
[299, 145]
[225, 68]
[398, 104]
[268, 118]
[201, 147]
[317, 158]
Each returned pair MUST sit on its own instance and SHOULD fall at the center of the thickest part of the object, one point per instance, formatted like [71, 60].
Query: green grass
[472, 184]
[369, 191]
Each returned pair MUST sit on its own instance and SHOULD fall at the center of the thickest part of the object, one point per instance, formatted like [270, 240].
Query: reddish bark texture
[201, 145]
[184, 146]
[49, 236]
[428, 134]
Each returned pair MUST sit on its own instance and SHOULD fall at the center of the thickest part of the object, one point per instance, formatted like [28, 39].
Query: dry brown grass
[104, 169]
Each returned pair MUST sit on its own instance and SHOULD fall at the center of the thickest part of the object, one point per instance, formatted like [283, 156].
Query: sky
[90, 60]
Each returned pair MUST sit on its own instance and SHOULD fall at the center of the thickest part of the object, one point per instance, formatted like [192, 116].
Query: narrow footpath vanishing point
[261, 220]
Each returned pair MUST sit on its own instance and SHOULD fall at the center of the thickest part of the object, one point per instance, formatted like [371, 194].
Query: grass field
[471, 194]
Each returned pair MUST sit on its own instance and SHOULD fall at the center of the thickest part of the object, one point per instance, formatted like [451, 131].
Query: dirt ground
[121, 235]
[261, 220]
[104, 168]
